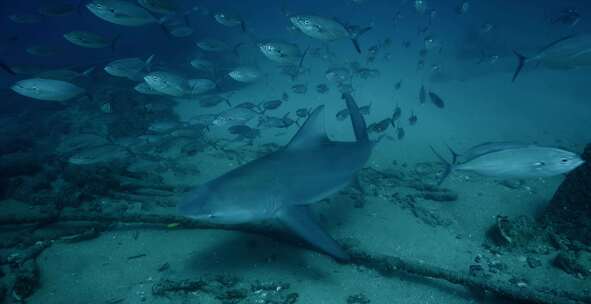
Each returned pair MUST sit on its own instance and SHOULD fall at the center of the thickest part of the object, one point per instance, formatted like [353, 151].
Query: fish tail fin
[454, 155]
[149, 62]
[355, 36]
[357, 120]
[6, 68]
[88, 71]
[302, 58]
[521, 59]
[236, 48]
[448, 165]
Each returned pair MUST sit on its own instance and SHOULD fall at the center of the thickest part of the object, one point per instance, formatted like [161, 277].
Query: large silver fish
[245, 74]
[229, 19]
[281, 52]
[121, 12]
[131, 68]
[327, 29]
[511, 160]
[282, 185]
[566, 53]
[90, 40]
[47, 89]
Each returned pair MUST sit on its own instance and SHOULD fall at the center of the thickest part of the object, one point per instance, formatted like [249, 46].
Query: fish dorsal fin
[312, 132]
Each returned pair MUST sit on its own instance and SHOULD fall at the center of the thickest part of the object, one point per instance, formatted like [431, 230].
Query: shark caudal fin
[355, 35]
[300, 222]
[448, 166]
[357, 120]
[521, 59]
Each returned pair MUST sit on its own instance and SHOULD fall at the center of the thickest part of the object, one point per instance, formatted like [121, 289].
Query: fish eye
[564, 160]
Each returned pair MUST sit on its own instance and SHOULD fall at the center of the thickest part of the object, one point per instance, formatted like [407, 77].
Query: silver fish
[168, 83]
[229, 19]
[245, 74]
[144, 88]
[47, 89]
[512, 160]
[566, 53]
[327, 29]
[131, 68]
[121, 12]
[281, 52]
[90, 40]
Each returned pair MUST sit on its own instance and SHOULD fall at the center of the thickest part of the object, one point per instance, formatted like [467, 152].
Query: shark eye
[564, 160]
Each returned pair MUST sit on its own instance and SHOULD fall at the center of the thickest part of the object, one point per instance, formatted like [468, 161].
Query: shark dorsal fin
[312, 132]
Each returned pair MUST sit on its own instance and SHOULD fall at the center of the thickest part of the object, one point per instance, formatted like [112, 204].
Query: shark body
[281, 186]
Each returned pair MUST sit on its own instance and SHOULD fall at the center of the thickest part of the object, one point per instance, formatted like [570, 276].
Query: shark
[281, 186]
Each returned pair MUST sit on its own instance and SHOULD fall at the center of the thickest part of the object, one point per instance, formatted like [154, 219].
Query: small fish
[144, 88]
[327, 29]
[436, 100]
[212, 45]
[272, 104]
[47, 89]
[24, 18]
[413, 119]
[396, 114]
[463, 8]
[276, 122]
[299, 88]
[511, 160]
[90, 40]
[420, 6]
[57, 9]
[121, 12]
[168, 83]
[338, 75]
[322, 88]
[364, 110]
[284, 97]
[203, 65]
[245, 74]
[568, 17]
[247, 105]
[130, 68]
[100, 155]
[235, 116]
[213, 100]
[400, 133]
[106, 108]
[302, 112]
[380, 126]
[342, 114]
[422, 95]
[230, 19]
[398, 85]
[42, 50]
[281, 52]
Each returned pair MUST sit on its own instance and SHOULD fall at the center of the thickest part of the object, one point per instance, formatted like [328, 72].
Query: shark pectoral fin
[300, 222]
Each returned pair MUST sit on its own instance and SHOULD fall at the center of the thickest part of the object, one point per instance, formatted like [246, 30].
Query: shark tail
[6, 68]
[359, 126]
[355, 36]
[449, 167]
[521, 60]
[302, 58]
